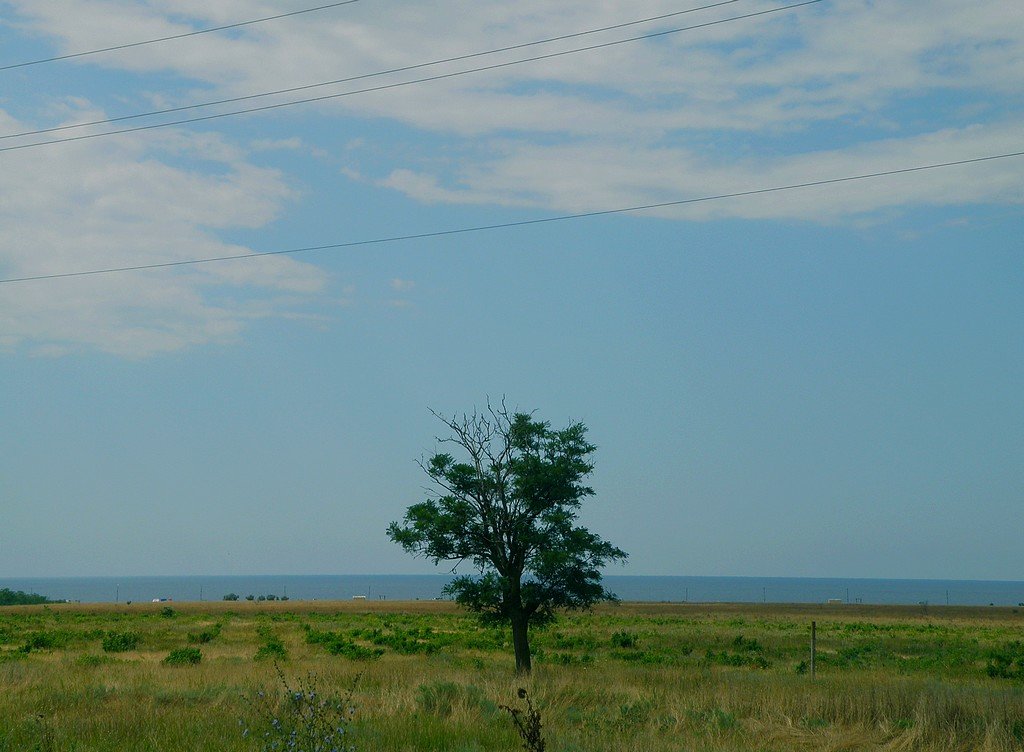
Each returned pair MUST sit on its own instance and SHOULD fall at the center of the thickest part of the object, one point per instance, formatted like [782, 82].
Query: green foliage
[183, 657]
[510, 509]
[625, 640]
[336, 643]
[10, 597]
[272, 648]
[44, 640]
[1006, 661]
[120, 642]
[168, 613]
[745, 652]
[205, 636]
[230, 597]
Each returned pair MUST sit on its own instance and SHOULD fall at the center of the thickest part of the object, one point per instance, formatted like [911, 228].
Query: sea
[678, 589]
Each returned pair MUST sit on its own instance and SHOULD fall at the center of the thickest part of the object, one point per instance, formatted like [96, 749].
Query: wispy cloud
[123, 203]
[741, 104]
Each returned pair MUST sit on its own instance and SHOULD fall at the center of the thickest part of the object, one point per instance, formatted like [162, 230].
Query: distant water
[628, 588]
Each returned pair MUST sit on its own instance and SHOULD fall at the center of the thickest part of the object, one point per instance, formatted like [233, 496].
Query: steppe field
[426, 676]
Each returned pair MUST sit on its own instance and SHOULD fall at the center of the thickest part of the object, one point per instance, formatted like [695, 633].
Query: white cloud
[123, 202]
[402, 285]
[825, 91]
[624, 124]
[591, 175]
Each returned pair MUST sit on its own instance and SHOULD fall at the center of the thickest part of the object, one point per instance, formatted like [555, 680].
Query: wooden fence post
[814, 645]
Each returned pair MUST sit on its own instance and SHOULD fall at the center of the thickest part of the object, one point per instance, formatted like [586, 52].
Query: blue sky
[815, 382]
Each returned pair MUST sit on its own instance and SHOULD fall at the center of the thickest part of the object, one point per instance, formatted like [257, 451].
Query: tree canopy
[509, 506]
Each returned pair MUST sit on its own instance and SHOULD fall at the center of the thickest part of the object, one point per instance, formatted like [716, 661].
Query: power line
[174, 36]
[402, 69]
[383, 87]
[520, 223]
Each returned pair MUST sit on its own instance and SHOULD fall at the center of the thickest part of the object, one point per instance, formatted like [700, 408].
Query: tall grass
[633, 677]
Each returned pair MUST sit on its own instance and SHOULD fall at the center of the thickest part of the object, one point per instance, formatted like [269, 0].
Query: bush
[336, 643]
[168, 613]
[42, 641]
[625, 640]
[230, 597]
[207, 635]
[119, 642]
[272, 648]
[183, 657]
[1006, 661]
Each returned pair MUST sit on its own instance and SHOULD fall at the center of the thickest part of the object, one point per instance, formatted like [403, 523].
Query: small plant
[168, 613]
[207, 635]
[527, 724]
[305, 718]
[119, 642]
[625, 640]
[183, 657]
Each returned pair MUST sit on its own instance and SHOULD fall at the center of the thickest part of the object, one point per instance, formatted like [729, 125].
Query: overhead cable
[520, 223]
[173, 36]
[350, 79]
[383, 87]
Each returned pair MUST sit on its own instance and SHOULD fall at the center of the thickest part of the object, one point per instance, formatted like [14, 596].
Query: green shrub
[183, 657]
[168, 613]
[625, 640]
[207, 635]
[48, 640]
[230, 597]
[119, 642]
[272, 648]
[1006, 661]
[749, 660]
[336, 643]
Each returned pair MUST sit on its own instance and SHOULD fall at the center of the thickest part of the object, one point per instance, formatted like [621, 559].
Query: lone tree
[510, 508]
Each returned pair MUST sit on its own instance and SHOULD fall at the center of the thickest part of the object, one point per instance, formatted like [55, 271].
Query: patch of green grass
[183, 657]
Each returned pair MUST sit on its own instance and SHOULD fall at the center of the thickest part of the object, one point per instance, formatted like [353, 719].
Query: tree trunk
[521, 642]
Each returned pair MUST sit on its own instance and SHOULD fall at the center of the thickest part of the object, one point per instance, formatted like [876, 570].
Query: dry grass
[889, 678]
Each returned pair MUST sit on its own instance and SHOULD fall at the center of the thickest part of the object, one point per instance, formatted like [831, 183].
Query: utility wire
[363, 76]
[383, 87]
[174, 36]
[521, 223]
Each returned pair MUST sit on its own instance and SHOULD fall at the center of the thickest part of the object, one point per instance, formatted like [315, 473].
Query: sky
[817, 381]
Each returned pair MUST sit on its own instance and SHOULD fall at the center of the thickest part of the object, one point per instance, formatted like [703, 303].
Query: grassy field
[648, 677]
